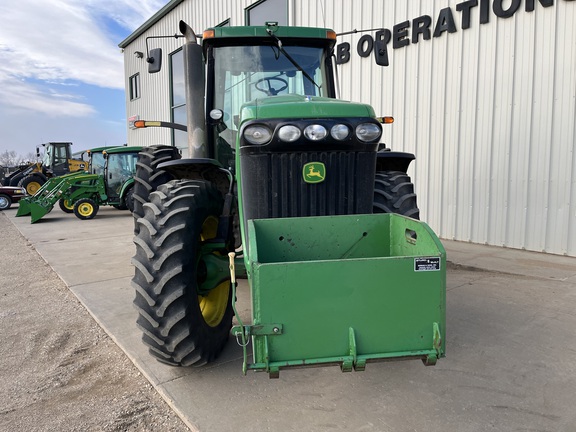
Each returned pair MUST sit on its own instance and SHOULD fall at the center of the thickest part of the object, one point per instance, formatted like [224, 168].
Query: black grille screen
[273, 184]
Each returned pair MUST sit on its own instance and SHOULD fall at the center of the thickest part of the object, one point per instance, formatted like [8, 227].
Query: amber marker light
[386, 120]
[208, 34]
[139, 124]
[331, 34]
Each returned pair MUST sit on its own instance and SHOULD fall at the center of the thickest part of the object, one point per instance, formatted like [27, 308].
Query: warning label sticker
[427, 264]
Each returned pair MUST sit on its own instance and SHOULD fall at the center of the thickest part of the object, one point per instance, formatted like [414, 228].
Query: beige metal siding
[489, 111]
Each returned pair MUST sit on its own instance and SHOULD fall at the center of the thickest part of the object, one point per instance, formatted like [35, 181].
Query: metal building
[483, 93]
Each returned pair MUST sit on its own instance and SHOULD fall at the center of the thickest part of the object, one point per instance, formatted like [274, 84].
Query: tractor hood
[298, 106]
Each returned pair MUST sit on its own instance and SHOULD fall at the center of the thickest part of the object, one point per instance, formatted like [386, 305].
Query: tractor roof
[99, 149]
[124, 149]
[260, 32]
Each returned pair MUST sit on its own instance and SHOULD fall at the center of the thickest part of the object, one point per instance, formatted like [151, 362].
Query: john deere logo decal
[314, 172]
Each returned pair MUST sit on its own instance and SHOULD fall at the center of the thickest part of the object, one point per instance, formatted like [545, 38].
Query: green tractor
[109, 182]
[288, 187]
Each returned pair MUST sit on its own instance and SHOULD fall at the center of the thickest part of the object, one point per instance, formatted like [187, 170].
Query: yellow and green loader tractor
[290, 188]
[56, 161]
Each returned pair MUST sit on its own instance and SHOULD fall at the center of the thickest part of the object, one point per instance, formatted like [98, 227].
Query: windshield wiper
[289, 57]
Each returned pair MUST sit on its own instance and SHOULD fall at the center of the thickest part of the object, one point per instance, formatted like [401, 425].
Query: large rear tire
[31, 183]
[148, 177]
[394, 193]
[66, 205]
[129, 199]
[180, 327]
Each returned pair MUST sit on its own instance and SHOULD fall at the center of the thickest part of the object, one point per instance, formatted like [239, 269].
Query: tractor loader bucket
[23, 207]
[70, 186]
[344, 290]
[38, 211]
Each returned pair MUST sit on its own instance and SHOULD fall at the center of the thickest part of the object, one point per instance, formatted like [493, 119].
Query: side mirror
[381, 53]
[383, 37]
[154, 60]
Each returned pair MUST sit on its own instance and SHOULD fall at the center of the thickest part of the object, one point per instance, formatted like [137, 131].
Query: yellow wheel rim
[85, 209]
[32, 187]
[68, 205]
[213, 305]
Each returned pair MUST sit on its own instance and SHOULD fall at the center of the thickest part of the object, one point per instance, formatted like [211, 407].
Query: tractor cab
[255, 63]
[56, 157]
[119, 169]
[98, 159]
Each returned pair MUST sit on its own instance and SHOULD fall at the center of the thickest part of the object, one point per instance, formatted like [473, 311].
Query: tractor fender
[199, 169]
[126, 186]
[393, 161]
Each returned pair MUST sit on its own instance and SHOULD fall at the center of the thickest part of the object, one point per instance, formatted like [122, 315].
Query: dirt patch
[60, 371]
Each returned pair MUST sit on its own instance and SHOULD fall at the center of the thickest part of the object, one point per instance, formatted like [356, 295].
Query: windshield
[97, 164]
[121, 167]
[245, 73]
[46, 159]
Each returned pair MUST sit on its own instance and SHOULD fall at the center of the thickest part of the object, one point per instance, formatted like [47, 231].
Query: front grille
[273, 185]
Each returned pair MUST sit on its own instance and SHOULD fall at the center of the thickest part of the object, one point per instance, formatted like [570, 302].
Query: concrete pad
[83, 251]
[510, 347]
[513, 261]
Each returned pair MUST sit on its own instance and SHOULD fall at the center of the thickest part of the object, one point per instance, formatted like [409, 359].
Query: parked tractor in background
[296, 182]
[109, 182]
[57, 161]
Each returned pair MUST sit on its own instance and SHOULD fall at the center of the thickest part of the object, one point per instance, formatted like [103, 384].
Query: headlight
[340, 132]
[257, 134]
[368, 132]
[216, 114]
[289, 133]
[315, 132]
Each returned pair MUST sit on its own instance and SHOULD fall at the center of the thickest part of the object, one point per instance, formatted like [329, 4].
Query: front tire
[85, 209]
[394, 193]
[180, 326]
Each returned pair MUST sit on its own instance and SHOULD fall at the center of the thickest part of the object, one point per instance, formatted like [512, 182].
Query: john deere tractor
[289, 187]
[109, 182]
[57, 161]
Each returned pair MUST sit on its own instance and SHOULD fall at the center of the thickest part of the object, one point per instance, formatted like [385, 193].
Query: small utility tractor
[289, 187]
[110, 182]
[57, 161]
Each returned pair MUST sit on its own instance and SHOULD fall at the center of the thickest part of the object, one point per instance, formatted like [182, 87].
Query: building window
[135, 86]
[178, 98]
[266, 11]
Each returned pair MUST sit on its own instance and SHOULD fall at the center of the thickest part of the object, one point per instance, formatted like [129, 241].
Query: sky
[62, 73]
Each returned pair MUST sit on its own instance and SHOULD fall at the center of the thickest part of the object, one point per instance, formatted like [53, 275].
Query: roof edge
[151, 21]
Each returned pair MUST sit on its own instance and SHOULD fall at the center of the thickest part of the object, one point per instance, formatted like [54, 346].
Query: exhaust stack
[194, 87]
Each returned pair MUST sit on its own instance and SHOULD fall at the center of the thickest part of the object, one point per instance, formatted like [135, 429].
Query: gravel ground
[60, 371]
